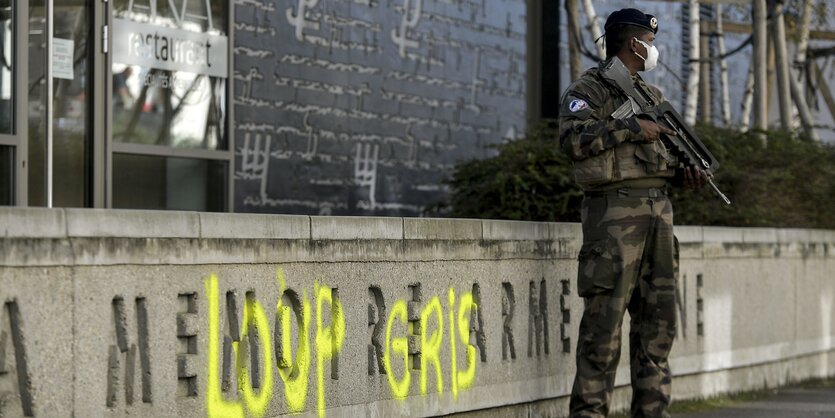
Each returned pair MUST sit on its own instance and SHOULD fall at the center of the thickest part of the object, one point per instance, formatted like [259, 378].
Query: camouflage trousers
[628, 260]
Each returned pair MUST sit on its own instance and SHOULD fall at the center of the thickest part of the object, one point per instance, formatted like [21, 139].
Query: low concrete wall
[116, 313]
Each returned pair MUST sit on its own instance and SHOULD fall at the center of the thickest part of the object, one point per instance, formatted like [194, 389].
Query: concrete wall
[362, 106]
[117, 313]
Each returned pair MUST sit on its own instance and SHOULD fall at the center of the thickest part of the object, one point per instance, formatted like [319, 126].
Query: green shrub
[529, 179]
[789, 183]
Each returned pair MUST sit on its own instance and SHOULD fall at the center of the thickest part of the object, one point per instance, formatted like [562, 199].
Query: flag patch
[577, 105]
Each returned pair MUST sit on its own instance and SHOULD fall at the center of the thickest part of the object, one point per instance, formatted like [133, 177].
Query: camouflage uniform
[628, 258]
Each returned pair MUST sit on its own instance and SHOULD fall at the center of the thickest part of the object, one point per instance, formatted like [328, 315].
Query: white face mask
[651, 61]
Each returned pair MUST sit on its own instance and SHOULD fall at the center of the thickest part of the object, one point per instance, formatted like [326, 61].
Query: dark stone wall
[362, 107]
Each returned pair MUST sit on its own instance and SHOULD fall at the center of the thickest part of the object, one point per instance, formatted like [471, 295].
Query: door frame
[101, 121]
[18, 140]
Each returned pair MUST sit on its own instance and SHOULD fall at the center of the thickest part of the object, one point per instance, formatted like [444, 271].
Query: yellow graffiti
[430, 348]
[464, 379]
[400, 389]
[294, 368]
[295, 377]
[216, 406]
[255, 317]
[461, 380]
[328, 339]
[453, 376]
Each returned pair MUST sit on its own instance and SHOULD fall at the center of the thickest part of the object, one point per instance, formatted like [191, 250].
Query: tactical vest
[627, 161]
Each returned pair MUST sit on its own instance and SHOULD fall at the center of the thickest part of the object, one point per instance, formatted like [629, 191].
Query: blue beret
[632, 17]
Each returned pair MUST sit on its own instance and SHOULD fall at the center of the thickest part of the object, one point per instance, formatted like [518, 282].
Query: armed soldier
[629, 254]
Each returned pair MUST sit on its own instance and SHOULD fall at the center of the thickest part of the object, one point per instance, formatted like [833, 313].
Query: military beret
[633, 17]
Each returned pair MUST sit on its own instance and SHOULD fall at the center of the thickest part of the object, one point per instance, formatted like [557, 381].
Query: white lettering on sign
[153, 46]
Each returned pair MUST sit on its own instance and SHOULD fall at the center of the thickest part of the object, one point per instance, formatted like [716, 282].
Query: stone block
[793, 236]
[723, 234]
[18, 222]
[442, 229]
[689, 234]
[355, 228]
[108, 223]
[759, 235]
[254, 226]
[515, 231]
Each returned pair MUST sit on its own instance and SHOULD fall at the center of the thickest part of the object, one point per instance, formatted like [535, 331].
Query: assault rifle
[684, 144]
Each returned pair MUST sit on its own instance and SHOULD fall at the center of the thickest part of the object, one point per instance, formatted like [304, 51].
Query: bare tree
[803, 42]
[723, 68]
[797, 92]
[594, 27]
[693, 73]
[574, 57]
[778, 33]
[748, 100]
[760, 67]
[818, 76]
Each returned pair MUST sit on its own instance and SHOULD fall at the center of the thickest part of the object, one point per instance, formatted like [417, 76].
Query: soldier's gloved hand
[695, 178]
[651, 131]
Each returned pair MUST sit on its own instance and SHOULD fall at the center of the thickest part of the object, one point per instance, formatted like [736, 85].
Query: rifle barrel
[719, 192]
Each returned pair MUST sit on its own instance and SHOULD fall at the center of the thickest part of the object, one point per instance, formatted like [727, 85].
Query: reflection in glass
[6, 176]
[165, 107]
[171, 108]
[71, 135]
[6, 63]
[150, 182]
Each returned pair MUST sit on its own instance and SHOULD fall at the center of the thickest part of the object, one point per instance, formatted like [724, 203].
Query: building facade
[351, 107]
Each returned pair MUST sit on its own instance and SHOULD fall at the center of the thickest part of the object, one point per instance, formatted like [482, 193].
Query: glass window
[7, 176]
[169, 74]
[151, 182]
[6, 64]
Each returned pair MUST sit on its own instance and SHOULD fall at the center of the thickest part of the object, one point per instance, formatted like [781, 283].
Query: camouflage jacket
[587, 131]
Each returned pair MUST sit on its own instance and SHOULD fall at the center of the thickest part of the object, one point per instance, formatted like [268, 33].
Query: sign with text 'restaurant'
[163, 48]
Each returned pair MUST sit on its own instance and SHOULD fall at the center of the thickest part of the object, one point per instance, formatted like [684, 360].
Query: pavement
[799, 402]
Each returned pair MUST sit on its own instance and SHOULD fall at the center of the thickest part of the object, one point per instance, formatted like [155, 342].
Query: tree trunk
[798, 92]
[693, 73]
[803, 46]
[760, 68]
[803, 42]
[594, 28]
[803, 109]
[823, 87]
[748, 100]
[723, 69]
[778, 32]
[574, 57]
[705, 96]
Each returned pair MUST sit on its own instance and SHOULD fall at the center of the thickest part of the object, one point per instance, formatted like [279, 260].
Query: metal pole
[49, 110]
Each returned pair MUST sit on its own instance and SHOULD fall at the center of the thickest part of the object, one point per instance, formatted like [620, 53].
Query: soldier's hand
[695, 178]
[651, 131]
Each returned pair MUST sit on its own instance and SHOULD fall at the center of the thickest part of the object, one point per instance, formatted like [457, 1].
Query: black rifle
[685, 144]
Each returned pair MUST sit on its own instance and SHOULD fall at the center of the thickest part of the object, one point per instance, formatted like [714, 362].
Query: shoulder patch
[577, 105]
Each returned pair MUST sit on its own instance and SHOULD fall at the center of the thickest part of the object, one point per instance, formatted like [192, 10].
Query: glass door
[60, 125]
[170, 138]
